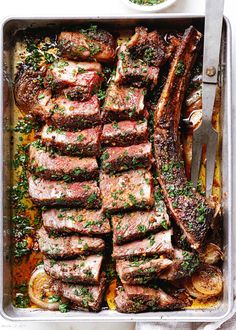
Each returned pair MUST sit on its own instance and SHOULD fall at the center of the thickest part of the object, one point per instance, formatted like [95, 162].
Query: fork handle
[212, 32]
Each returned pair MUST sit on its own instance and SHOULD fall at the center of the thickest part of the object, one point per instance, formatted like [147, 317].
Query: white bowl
[151, 8]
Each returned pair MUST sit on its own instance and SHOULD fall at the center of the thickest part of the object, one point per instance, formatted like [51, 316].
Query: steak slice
[127, 190]
[156, 244]
[83, 143]
[82, 194]
[123, 103]
[85, 269]
[68, 246]
[126, 305]
[130, 226]
[86, 222]
[134, 72]
[56, 167]
[157, 299]
[140, 59]
[117, 159]
[86, 44]
[76, 82]
[184, 264]
[141, 271]
[28, 91]
[67, 114]
[189, 209]
[124, 133]
[83, 297]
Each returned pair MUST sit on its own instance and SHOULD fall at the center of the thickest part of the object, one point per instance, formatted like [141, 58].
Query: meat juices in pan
[102, 169]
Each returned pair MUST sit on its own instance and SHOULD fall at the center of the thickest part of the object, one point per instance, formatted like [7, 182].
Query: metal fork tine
[196, 157]
[210, 160]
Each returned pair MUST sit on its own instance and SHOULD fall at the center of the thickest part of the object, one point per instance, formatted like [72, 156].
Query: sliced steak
[67, 114]
[189, 209]
[124, 133]
[29, 92]
[68, 246]
[184, 264]
[126, 305]
[82, 194]
[141, 271]
[156, 244]
[86, 44]
[130, 226]
[117, 159]
[157, 299]
[123, 103]
[56, 167]
[134, 72]
[83, 297]
[86, 269]
[127, 190]
[86, 222]
[140, 59]
[76, 82]
[83, 143]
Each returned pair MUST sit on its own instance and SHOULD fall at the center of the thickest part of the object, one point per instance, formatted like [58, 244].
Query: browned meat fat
[86, 222]
[83, 194]
[117, 159]
[124, 133]
[52, 166]
[127, 190]
[77, 143]
[156, 244]
[141, 271]
[67, 114]
[189, 209]
[76, 82]
[28, 91]
[83, 297]
[85, 269]
[68, 246]
[88, 44]
[122, 103]
[130, 226]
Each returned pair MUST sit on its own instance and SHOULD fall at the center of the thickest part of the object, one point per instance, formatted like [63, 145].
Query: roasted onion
[212, 254]
[40, 292]
[208, 280]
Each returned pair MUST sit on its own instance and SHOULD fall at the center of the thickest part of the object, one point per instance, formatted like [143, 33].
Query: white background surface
[73, 8]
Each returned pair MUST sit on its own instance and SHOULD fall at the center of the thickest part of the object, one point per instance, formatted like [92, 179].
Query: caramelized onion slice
[192, 291]
[212, 254]
[40, 292]
[208, 280]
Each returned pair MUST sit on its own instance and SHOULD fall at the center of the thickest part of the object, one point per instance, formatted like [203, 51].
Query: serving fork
[205, 134]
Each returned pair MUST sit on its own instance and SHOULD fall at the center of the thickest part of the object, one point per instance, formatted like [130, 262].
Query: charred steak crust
[189, 209]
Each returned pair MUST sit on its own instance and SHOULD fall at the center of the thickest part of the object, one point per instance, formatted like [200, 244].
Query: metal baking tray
[158, 21]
